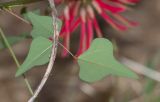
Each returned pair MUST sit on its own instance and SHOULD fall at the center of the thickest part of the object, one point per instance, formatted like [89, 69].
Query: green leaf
[38, 55]
[98, 62]
[42, 25]
[12, 40]
[26, 13]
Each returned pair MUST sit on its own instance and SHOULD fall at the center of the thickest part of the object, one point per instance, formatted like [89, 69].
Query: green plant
[95, 63]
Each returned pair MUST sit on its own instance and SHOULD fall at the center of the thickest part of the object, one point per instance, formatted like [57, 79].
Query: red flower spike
[82, 45]
[81, 13]
[98, 30]
[90, 33]
[111, 8]
[127, 1]
[75, 24]
[125, 20]
[67, 29]
[113, 23]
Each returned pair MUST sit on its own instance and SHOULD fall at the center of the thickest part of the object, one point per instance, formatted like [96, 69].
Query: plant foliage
[98, 62]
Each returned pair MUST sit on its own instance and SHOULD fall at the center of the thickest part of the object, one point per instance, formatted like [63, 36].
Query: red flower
[82, 13]
[128, 1]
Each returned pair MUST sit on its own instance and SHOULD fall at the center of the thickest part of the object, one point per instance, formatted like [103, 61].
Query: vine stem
[53, 53]
[68, 51]
[13, 14]
[15, 59]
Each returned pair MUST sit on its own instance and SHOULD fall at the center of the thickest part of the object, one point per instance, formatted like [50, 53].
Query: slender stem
[141, 69]
[15, 15]
[68, 51]
[15, 59]
[53, 53]
[12, 3]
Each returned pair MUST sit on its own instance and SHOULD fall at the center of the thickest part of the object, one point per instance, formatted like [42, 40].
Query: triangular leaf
[38, 55]
[98, 62]
[42, 25]
[26, 13]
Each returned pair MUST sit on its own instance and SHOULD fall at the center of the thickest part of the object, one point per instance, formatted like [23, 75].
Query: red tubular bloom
[67, 31]
[82, 45]
[75, 24]
[66, 38]
[127, 1]
[113, 23]
[111, 8]
[90, 33]
[80, 12]
[96, 26]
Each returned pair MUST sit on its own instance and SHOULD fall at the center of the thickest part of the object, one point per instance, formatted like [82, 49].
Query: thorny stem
[15, 59]
[53, 53]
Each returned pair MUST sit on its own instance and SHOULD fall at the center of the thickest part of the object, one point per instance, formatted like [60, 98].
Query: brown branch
[53, 53]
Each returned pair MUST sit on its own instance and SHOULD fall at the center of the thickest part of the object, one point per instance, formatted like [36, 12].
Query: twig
[141, 69]
[15, 59]
[15, 15]
[12, 3]
[53, 54]
[68, 51]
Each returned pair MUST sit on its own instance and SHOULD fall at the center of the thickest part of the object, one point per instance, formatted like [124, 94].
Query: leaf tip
[18, 74]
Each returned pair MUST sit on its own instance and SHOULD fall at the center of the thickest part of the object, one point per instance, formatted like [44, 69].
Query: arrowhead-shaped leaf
[98, 62]
[38, 55]
[42, 25]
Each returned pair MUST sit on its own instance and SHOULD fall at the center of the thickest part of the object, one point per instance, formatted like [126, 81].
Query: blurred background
[140, 44]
